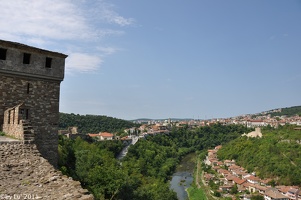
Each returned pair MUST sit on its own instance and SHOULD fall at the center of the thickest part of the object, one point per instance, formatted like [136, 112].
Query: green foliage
[147, 167]
[257, 197]
[196, 194]
[93, 123]
[217, 194]
[2, 133]
[276, 155]
[291, 111]
[95, 166]
[234, 190]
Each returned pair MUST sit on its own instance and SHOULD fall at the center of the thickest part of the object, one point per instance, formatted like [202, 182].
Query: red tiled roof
[93, 134]
[273, 192]
[230, 177]
[234, 167]
[239, 181]
[106, 134]
[253, 178]
[247, 184]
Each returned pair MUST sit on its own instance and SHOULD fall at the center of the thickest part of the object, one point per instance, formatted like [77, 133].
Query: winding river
[183, 177]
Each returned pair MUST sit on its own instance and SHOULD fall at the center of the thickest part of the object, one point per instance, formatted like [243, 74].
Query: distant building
[274, 194]
[256, 133]
[102, 136]
[255, 123]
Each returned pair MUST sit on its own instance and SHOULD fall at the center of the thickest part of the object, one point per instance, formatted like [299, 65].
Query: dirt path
[200, 178]
[197, 181]
[289, 159]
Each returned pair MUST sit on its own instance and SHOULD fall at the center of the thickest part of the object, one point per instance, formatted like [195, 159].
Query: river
[183, 177]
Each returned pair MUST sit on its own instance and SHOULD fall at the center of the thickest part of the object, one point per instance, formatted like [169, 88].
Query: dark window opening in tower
[26, 58]
[3, 54]
[28, 88]
[48, 62]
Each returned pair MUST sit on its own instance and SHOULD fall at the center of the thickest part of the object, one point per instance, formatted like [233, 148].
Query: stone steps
[28, 131]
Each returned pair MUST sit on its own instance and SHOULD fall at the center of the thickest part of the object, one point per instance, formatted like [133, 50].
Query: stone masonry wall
[36, 67]
[12, 124]
[41, 98]
[24, 174]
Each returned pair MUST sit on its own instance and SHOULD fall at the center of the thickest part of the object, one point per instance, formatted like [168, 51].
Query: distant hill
[172, 119]
[93, 123]
[289, 111]
[277, 154]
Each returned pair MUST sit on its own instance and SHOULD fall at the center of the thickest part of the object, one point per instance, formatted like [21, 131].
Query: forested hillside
[291, 111]
[276, 155]
[93, 123]
[145, 171]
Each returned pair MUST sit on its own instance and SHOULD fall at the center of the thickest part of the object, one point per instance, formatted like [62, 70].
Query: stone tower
[29, 94]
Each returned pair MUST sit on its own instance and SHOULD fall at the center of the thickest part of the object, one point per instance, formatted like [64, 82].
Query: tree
[234, 190]
[257, 197]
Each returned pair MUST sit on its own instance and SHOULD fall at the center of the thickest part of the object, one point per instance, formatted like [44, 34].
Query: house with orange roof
[218, 147]
[223, 172]
[253, 179]
[102, 136]
[239, 181]
[234, 167]
[229, 179]
[283, 188]
[94, 135]
[208, 177]
[239, 173]
[293, 192]
[106, 136]
[265, 182]
[229, 162]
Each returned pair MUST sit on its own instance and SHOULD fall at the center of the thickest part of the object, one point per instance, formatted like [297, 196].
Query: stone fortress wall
[24, 174]
[29, 111]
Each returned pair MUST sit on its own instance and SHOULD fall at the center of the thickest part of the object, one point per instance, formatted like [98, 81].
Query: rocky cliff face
[24, 174]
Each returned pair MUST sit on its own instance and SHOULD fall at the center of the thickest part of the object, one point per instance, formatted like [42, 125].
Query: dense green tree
[94, 123]
[257, 197]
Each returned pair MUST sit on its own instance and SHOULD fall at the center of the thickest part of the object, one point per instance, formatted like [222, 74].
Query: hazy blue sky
[166, 58]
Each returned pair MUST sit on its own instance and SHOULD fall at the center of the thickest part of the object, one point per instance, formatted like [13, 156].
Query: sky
[198, 59]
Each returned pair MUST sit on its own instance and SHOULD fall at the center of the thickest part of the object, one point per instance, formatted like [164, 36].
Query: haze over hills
[288, 111]
[96, 123]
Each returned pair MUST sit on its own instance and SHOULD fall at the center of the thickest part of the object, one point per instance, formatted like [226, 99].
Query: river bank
[183, 177]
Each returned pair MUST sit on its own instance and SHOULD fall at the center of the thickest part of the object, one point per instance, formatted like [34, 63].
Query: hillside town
[228, 175]
[151, 127]
[249, 120]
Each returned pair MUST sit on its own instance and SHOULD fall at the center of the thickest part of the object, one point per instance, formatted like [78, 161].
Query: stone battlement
[25, 174]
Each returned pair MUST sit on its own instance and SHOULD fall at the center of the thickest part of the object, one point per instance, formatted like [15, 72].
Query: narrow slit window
[27, 114]
[48, 62]
[28, 88]
[3, 54]
[26, 58]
